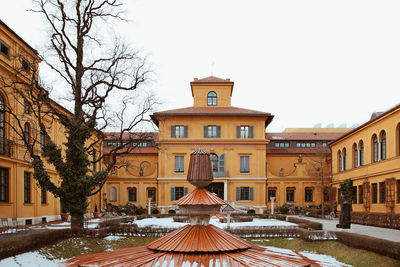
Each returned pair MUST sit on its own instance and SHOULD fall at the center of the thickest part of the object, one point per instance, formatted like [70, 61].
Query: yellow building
[20, 196]
[299, 165]
[234, 136]
[369, 155]
[249, 165]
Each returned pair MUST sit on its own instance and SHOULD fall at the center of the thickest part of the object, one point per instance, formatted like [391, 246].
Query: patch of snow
[169, 223]
[31, 259]
[113, 237]
[323, 260]
[261, 240]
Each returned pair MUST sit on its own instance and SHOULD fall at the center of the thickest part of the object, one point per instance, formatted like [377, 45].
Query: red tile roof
[133, 135]
[200, 197]
[302, 136]
[212, 111]
[199, 238]
[136, 150]
[298, 150]
[212, 79]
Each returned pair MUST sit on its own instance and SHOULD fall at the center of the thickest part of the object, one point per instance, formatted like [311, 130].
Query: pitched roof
[375, 116]
[18, 37]
[132, 135]
[136, 150]
[296, 150]
[212, 111]
[302, 136]
[211, 79]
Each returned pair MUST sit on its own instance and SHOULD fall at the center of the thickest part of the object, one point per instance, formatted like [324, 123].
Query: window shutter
[219, 131]
[172, 193]
[251, 193]
[7, 182]
[251, 131]
[185, 191]
[205, 131]
[237, 131]
[186, 131]
[237, 193]
[173, 131]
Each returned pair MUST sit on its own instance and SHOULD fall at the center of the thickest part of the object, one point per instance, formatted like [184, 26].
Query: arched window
[214, 162]
[344, 159]
[113, 193]
[355, 156]
[27, 133]
[218, 164]
[340, 161]
[375, 148]
[212, 98]
[2, 126]
[383, 145]
[361, 151]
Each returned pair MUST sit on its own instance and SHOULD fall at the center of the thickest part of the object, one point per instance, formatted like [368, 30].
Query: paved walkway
[378, 232]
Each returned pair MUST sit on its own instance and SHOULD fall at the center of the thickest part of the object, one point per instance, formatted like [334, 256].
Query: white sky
[306, 62]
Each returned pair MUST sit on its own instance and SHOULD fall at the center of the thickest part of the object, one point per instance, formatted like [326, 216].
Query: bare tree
[319, 167]
[95, 71]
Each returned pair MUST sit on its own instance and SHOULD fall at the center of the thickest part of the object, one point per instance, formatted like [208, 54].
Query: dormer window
[212, 99]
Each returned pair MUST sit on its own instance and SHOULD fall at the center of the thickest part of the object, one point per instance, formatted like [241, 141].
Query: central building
[234, 137]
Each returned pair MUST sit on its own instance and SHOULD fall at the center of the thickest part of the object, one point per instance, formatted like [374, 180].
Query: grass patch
[343, 253]
[74, 247]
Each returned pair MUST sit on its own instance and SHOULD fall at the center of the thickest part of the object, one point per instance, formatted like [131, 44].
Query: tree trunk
[77, 221]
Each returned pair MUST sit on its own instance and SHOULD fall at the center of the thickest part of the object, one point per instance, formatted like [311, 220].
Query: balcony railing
[219, 174]
[6, 148]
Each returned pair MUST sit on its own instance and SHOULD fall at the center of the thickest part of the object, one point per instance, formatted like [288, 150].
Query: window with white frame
[212, 131]
[244, 131]
[178, 192]
[113, 193]
[244, 193]
[179, 131]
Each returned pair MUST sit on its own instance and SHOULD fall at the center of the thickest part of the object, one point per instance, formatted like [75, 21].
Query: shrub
[155, 211]
[171, 212]
[140, 210]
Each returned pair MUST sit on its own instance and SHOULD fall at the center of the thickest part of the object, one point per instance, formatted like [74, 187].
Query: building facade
[369, 155]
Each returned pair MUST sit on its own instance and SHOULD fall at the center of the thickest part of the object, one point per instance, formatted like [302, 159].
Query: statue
[344, 219]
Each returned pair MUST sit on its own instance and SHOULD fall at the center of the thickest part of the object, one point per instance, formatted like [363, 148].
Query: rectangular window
[382, 192]
[309, 195]
[244, 193]
[4, 185]
[44, 196]
[25, 65]
[324, 144]
[132, 194]
[326, 194]
[398, 191]
[354, 196]
[94, 161]
[179, 131]
[27, 187]
[4, 49]
[212, 131]
[360, 194]
[244, 164]
[244, 131]
[179, 164]
[271, 193]
[374, 193]
[178, 192]
[289, 195]
[282, 145]
[151, 193]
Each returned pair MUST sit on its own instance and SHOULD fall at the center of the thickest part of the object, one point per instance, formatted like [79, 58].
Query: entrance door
[217, 188]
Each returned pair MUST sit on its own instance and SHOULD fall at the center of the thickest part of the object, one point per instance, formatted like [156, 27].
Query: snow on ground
[113, 237]
[169, 223]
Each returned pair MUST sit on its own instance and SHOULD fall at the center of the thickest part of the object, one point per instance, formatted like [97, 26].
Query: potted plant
[96, 212]
[64, 215]
[109, 207]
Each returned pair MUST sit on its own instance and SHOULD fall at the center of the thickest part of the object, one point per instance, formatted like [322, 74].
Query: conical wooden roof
[200, 196]
[199, 238]
[200, 173]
